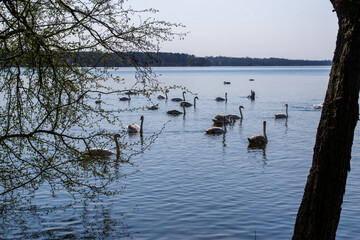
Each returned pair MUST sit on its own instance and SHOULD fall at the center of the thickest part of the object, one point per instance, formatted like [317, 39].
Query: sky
[293, 29]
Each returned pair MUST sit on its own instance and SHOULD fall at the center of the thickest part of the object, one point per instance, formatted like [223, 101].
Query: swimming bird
[281, 115]
[179, 99]
[226, 82]
[258, 140]
[103, 152]
[162, 97]
[153, 107]
[219, 118]
[195, 98]
[233, 116]
[252, 95]
[220, 99]
[130, 92]
[134, 128]
[318, 106]
[187, 104]
[98, 100]
[176, 112]
[125, 98]
[217, 130]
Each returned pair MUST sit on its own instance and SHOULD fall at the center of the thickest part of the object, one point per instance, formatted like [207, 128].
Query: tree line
[162, 59]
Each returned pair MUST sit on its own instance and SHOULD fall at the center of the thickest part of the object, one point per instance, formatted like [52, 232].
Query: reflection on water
[187, 180]
[258, 149]
[85, 220]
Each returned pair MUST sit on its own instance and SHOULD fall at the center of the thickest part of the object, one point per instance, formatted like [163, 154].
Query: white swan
[281, 115]
[233, 116]
[179, 99]
[103, 152]
[134, 128]
[153, 107]
[258, 140]
[318, 106]
[220, 99]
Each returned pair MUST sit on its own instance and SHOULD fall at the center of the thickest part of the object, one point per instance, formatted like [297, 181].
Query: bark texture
[320, 209]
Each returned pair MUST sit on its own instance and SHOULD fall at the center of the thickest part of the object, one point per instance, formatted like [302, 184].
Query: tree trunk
[319, 212]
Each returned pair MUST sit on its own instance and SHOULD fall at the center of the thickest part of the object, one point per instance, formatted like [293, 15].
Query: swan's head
[241, 107]
[196, 98]
[142, 118]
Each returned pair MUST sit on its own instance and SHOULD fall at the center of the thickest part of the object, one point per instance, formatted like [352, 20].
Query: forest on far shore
[162, 59]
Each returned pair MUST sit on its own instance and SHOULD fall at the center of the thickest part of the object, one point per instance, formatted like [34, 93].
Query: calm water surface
[189, 185]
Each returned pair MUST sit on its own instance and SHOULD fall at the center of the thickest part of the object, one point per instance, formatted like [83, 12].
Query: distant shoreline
[163, 59]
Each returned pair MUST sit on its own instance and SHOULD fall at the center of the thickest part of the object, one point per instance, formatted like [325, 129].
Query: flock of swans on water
[256, 140]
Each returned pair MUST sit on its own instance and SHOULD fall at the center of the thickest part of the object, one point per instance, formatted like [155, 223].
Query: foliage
[47, 111]
[162, 59]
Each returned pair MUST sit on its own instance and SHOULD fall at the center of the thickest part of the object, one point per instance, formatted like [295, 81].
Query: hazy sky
[295, 29]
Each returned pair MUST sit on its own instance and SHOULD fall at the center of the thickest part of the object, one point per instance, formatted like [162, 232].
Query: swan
[195, 98]
[281, 115]
[220, 99]
[252, 95]
[125, 98]
[217, 130]
[225, 82]
[179, 99]
[219, 118]
[318, 106]
[258, 140]
[153, 107]
[130, 92]
[134, 128]
[176, 112]
[162, 97]
[233, 116]
[187, 104]
[103, 151]
[98, 100]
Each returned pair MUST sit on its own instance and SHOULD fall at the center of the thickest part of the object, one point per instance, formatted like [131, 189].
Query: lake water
[189, 185]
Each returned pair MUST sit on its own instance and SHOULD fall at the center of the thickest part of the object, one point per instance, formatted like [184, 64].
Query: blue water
[189, 185]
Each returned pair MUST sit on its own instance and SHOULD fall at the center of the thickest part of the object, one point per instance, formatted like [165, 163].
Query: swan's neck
[166, 97]
[184, 96]
[286, 110]
[226, 97]
[241, 116]
[141, 125]
[194, 102]
[264, 128]
[117, 147]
